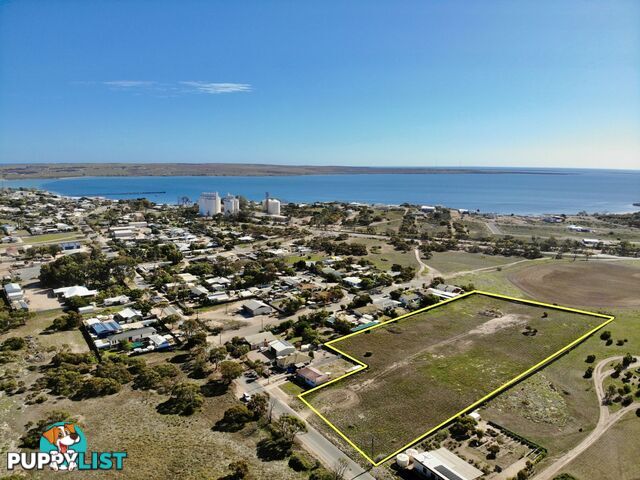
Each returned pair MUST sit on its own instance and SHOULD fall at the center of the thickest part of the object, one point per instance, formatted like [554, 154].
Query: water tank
[402, 459]
[411, 452]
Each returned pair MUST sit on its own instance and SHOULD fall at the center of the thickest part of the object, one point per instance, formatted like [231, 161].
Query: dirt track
[581, 283]
[606, 420]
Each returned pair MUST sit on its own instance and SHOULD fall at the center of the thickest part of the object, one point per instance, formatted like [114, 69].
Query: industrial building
[209, 204]
[231, 205]
[272, 206]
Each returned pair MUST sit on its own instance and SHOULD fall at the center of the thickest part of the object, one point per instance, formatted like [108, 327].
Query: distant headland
[19, 171]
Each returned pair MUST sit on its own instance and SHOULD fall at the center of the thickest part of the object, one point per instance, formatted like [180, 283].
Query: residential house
[218, 297]
[119, 300]
[352, 281]
[258, 340]
[128, 315]
[131, 335]
[297, 359]
[74, 291]
[312, 376]
[410, 300]
[445, 291]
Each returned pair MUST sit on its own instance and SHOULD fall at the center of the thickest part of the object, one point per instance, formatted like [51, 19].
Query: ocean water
[526, 192]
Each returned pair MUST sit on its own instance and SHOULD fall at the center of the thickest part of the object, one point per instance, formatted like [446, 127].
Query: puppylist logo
[63, 446]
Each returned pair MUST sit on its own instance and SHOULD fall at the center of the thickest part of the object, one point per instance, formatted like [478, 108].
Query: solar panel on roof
[445, 472]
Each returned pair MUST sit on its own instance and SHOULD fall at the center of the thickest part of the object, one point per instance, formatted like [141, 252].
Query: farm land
[557, 407]
[427, 367]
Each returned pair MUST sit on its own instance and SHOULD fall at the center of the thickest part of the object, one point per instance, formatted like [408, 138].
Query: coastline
[57, 171]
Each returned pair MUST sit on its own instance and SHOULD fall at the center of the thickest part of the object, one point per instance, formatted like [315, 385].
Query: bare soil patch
[341, 399]
[582, 283]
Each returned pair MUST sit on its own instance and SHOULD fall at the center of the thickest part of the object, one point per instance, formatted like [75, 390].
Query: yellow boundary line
[475, 404]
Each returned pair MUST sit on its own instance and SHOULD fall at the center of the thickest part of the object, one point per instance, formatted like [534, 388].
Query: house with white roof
[74, 291]
[128, 315]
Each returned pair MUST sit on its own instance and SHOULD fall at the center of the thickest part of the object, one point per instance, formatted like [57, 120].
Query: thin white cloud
[217, 88]
[173, 89]
[129, 83]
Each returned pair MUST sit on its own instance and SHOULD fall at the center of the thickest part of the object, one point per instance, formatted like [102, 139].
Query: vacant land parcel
[426, 368]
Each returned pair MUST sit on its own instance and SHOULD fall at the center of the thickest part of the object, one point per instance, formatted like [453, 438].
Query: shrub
[300, 462]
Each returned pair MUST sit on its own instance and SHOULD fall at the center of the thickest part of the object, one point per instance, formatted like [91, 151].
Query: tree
[147, 379]
[610, 393]
[493, 450]
[287, 427]
[239, 470]
[216, 355]
[31, 438]
[291, 305]
[234, 419]
[606, 335]
[230, 371]
[190, 327]
[13, 343]
[588, 373]
[339, 469]
[98, 387]
[258, 405]
[627, 360]
[463, 426]
[68, 321]
[185, 398]
[590, 358]
[113, 370]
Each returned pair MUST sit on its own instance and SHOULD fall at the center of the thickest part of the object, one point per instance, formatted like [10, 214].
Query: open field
[601, 230]
[383, 255]
[157, 446]
[586, 283]
[426, 368]
[451, 262]
[36, 326]
[613, 455]
[52, 237]
[556, 407]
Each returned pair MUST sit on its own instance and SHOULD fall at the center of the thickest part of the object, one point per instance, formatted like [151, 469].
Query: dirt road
[606, 420]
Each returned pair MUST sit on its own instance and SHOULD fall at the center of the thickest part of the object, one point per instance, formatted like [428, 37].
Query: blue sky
[432, 83]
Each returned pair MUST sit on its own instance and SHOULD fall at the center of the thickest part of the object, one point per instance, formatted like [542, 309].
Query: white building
[272, 206]
[256, 307]
[441, 464]
[74, 291]
[13, 292]
[209, 204]
[231, 205]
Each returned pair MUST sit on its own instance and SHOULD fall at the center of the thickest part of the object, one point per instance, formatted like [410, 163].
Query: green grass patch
[445, 358]
[451, 262]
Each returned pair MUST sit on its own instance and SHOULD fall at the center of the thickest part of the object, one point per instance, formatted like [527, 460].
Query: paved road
[313, 440]
[606, 421]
